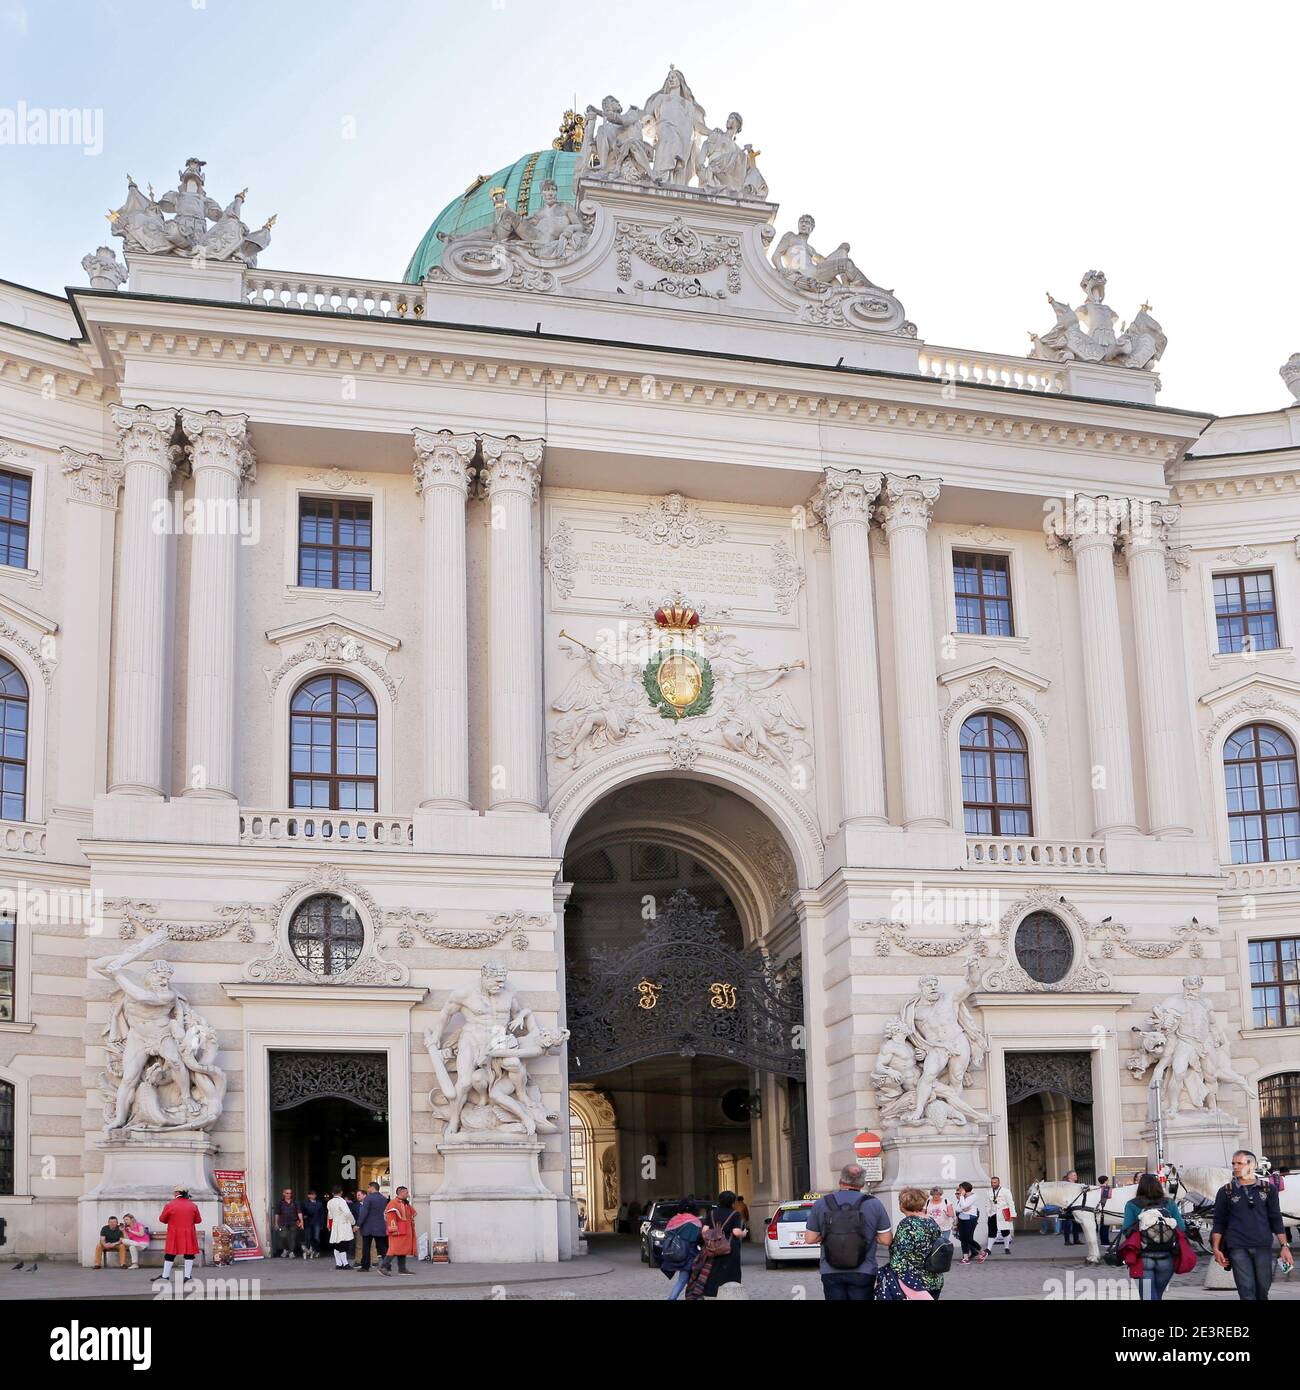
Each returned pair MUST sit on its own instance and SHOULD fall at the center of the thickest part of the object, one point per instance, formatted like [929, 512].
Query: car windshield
[663, 1212]
[788, 1214]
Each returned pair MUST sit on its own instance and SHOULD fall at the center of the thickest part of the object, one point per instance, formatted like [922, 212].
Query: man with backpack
[1246, 1218]
[681, 1245]
[849, 1225]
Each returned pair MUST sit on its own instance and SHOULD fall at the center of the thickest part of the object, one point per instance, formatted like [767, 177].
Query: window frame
[997, 807]
[18, 475]
[336, 904]
[335, 548]
[18, 462]
[312, 489]
[1239, 577]
[981, 560]
[335, 778]
[26, 761]
[953, 540]
[1290, 1016]
[1292, 1079]
[1257, 761]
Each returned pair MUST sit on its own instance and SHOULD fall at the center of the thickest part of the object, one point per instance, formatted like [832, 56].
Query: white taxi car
[785, 1238]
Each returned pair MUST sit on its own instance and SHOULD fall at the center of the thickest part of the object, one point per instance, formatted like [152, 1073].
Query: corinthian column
[1091, 532]
[908, 503]
[222, 460]
[511, 475]
[1166, 740]
[140, 666]
[843, 502]
[444, 464]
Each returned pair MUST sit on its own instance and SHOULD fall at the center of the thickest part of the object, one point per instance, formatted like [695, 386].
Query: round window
[1044, 948]
[326, 935]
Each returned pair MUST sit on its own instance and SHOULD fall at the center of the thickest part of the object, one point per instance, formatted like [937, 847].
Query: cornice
[1013, 422]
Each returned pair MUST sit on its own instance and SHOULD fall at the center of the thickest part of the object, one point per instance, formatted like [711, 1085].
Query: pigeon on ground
[31, 1269]
[19, 1265]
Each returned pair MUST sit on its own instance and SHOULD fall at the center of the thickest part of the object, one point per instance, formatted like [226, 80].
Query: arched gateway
[684, 998]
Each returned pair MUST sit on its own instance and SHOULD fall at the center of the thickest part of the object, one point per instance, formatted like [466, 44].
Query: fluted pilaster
[843, 502]
[906, 507]
[222, 460]
[444, 465]
[140, 664]
[511, 475]
[1166, 738]
[1091, 529]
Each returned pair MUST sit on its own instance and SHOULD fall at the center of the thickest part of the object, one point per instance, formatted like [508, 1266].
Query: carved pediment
[333, 640]
[993, 682]
[1249, 697]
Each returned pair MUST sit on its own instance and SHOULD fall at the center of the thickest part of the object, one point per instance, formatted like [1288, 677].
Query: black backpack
[844, 1236]
[938, 1259]
[677, 1252]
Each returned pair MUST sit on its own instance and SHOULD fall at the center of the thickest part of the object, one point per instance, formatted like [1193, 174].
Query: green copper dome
[522, 182]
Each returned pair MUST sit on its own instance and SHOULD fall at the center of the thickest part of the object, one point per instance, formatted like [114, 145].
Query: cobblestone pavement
[1039, 1267]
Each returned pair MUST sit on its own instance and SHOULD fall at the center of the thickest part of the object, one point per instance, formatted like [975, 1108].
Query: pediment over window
[333, 641]
[992, 682]
[28, 630]
[1251, 697]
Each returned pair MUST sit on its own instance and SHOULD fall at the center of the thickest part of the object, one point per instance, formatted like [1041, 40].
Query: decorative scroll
[299, 1077]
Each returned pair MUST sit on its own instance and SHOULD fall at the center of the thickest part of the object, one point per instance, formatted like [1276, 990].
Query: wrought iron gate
[361, 1077]
[682, 989]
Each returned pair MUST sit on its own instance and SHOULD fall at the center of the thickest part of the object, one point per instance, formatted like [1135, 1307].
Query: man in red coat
[399, 1220]
[181, 1217]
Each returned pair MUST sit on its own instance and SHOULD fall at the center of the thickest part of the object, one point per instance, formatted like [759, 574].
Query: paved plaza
[1039, 1267]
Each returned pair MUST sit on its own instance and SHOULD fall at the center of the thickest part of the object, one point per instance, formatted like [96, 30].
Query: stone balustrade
[22, 837]
[333, 295]
[964, 368]
[984, 852]
[363, 830]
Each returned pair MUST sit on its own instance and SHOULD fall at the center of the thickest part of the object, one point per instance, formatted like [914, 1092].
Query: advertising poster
[237, 1216]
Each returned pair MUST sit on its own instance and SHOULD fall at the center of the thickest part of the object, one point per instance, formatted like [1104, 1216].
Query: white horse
[1083, 1204]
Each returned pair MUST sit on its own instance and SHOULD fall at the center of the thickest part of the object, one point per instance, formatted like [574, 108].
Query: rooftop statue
[808, 270]
[517, 249]
[726, 166]
[676, 119]
[616, 148]
[105, 270]
[1087, 334]
[143, 226]
[1290, 373]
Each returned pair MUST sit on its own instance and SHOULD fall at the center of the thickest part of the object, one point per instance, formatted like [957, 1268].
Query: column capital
[92, 479]
[907, 501]
[219, 441]
[845, 494]
[147, 435]
[443, 459]
[511, 464]
[1148, 526]
[1090, 522]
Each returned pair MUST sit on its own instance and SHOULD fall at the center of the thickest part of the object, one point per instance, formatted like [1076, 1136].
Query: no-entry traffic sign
[867, 1145]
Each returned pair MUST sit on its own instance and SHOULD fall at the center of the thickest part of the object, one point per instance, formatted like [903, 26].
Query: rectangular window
[1275, 982]
[6, 1139]
[15, 518]
[8, 932]
[1245, 612]
[334, 537]
[982, 589]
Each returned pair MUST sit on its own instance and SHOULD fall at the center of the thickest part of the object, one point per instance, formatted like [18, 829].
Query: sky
[974, 156]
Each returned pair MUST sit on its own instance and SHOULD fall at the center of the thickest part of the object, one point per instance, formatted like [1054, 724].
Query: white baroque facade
[622, 692]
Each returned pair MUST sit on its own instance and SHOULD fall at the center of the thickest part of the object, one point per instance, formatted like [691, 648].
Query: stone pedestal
[140, 1173]
[493, 1206]
[920, 1157]
[1199, 1139]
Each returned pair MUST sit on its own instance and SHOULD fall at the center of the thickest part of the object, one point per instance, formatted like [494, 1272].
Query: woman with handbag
[1152, 1240]
[718, 1262]
[918, 1246]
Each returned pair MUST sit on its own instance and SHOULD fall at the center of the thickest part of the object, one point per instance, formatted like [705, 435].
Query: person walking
[313, 1225]
[338, 1215]
[849, 1225]
[941, 1211]
[681, 1246]
[181, 1217]
[1246, 1218]
[399, 1232]
[1002, 1214]
[908, 1272]
[1103, 1231]
[287, 1223]
[719, 1261]
[968, 1218]
[112, 1239]
[372, 1225]
[136, 1235]
[1149, 1236]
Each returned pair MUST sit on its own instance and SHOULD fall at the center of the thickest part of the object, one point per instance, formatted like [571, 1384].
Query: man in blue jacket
[1246, 1218]
[372, 1226]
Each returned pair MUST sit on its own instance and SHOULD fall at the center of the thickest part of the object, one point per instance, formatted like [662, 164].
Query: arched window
[1259, 774]
[1279, 1119]
[995, 777]
[6, 1139]
[13, 742]
[326, 935]
[333, 745]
